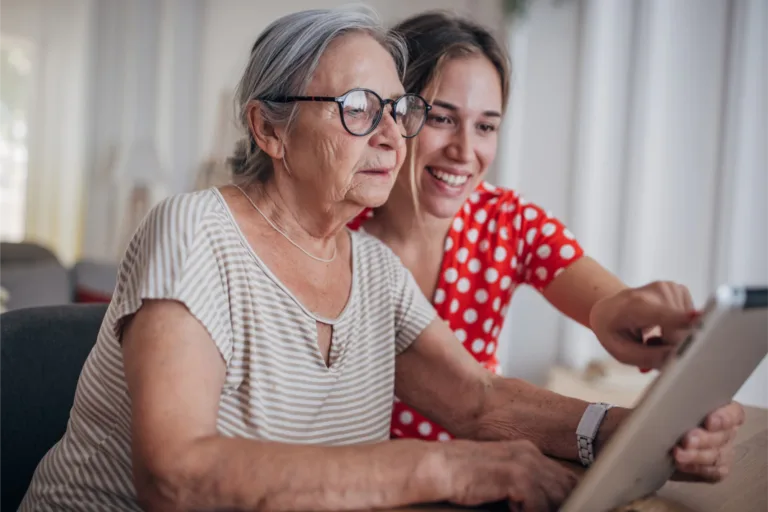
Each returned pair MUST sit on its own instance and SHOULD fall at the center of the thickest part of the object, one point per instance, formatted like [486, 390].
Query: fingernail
[693, 441]
[717, 423]
[644, 370]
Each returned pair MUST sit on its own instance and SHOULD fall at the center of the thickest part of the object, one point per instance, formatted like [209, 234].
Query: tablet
[707, 369]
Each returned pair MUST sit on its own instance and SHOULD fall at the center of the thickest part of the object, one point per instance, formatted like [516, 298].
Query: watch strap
[587, 430]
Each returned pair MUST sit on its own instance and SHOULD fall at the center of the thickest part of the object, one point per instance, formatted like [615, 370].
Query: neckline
[443, 258]
[265, 268]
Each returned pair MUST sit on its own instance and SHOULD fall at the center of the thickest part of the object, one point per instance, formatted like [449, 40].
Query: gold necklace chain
[316, 258]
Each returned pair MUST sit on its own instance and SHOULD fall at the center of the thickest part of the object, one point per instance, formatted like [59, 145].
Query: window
[16, 61]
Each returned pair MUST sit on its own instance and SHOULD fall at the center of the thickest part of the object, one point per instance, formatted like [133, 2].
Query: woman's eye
[438, 120]
[487, 128]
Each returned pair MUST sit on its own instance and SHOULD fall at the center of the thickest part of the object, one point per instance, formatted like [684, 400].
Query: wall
[638, 123]
[144, 113]
[535, 158]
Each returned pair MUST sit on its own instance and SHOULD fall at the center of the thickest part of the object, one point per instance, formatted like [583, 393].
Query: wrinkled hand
[516, 471]
[707, 453]
[623, 322]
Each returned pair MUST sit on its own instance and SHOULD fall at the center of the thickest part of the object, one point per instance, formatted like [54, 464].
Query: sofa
[42, 353]
[31, 275]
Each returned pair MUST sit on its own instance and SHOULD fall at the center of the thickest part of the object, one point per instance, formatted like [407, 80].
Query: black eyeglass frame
[339, 100]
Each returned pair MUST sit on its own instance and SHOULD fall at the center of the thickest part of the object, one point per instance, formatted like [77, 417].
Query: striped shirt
[277, 385]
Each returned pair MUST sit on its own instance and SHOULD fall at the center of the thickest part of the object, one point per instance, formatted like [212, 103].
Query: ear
[267, 137]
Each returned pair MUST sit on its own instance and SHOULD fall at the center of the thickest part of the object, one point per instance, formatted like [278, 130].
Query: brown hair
[435, 37]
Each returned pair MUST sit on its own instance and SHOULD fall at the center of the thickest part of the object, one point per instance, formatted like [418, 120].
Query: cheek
[429, 143]
[486, 153]
[338, 161]
[332, 155]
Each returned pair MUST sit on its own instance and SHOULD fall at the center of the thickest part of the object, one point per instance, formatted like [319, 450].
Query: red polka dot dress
[497, 242]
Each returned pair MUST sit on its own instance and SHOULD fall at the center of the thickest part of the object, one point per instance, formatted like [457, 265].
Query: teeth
[450, 179]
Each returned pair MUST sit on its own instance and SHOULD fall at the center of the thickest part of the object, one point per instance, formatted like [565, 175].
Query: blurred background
[642, 123]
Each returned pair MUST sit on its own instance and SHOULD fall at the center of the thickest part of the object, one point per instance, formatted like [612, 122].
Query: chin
[441, 199]
[369, 198]
[442, 208]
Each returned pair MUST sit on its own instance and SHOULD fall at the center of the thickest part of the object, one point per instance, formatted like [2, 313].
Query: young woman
[469, 244]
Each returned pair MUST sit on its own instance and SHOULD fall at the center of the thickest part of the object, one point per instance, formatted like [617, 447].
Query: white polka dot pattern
[498, 242]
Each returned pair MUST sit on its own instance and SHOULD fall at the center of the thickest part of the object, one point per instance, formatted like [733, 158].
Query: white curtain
[643, 125]
[59, 32]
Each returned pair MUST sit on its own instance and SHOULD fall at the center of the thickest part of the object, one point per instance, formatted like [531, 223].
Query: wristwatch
[586, 432]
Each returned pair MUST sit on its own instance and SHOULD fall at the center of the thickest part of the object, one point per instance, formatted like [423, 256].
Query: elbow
[169, 483]
[474, 421]
[500, 409]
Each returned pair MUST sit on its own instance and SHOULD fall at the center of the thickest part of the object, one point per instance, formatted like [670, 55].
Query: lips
[376, 172]
[454, 180]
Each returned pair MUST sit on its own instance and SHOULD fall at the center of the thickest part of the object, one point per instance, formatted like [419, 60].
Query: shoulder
[497, 201]
[508, 209]
[378, 266]
[187, 209]
[183, 217]
[370, 250]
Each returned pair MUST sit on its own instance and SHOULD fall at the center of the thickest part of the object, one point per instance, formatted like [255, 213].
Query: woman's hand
[707, 454]
[515, 471]
[623, 322]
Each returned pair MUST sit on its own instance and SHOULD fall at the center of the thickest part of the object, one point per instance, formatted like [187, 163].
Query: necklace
[322, 260]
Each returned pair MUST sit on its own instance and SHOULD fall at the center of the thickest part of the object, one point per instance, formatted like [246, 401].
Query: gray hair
[282, 62]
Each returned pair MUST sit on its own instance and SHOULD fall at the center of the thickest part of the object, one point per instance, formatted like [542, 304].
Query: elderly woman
[249, 357]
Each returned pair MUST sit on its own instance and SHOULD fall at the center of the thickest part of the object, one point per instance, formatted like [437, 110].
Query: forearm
[238, 474]
[515, 409]
[577, 290]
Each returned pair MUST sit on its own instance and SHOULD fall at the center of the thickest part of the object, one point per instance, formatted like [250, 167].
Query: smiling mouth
[453, 180]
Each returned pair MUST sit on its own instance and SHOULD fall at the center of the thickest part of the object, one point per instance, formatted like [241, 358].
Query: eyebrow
[454, 108]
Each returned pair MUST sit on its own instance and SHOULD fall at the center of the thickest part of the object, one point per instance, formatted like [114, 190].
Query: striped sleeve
[171, 256]
[413, 312]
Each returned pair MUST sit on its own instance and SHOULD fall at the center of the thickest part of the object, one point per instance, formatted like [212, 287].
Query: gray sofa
[42, 353]
[33, 276]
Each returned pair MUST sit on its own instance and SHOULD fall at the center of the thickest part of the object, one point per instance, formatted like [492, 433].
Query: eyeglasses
[361, 110]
